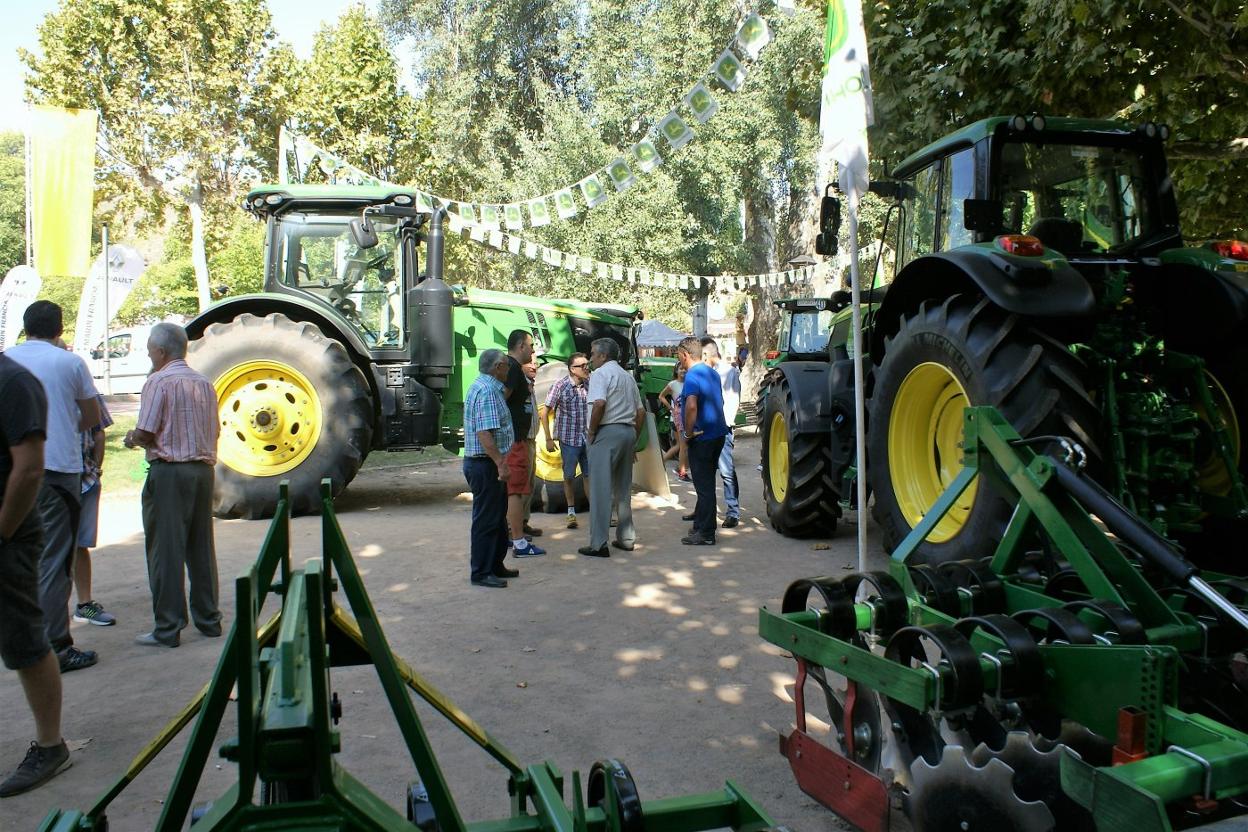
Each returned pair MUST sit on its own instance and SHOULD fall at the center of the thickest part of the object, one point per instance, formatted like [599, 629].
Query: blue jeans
[702, 456]
[728, 473]
[489, 516]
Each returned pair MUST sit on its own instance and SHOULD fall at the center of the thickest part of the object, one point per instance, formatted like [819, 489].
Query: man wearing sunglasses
[565, 414]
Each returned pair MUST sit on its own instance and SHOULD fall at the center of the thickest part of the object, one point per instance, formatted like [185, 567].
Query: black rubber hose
[1137, 534]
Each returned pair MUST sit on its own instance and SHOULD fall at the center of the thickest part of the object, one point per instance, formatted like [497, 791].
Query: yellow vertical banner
[61, 179]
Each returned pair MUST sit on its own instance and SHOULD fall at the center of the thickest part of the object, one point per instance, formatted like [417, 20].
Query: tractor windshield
[362, 284]
[809, 330]
[1078, 199]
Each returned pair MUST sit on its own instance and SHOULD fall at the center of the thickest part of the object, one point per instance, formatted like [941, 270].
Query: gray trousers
[611, 484]
[177, 525]
[58, 506]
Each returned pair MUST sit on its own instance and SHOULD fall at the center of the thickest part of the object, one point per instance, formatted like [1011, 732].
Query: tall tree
[12, 201]
[350, 102]
[183, 92]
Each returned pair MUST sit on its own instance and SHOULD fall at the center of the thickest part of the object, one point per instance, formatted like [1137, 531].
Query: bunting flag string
[639, 275]
[673, 131]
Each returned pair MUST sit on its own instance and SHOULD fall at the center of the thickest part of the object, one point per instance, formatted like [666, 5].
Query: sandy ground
[652, 657]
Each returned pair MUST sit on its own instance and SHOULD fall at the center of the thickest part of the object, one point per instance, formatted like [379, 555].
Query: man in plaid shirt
[567, 403]
[487, 439]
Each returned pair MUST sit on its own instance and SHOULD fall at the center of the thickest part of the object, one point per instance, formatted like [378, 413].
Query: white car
[128, 363]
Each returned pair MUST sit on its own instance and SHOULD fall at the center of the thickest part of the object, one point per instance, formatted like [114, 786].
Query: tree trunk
[199, 255]
[760, 236]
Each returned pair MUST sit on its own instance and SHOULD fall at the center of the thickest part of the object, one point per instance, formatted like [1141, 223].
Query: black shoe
[688, 516]
[210, 632]
[627, 547]
[504, 572]
[697, 540]
[490, 581]
[532, 532]
[591, 552]
[71, 659]
[39, 766]
[731, 522]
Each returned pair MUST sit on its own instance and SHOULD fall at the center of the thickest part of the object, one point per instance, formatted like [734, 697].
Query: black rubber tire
[1219, 544]
[346, 405]
[1033, 380]
[810, 506]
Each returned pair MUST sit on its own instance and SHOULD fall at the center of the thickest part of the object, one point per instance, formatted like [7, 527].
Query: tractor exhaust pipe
[435, 245]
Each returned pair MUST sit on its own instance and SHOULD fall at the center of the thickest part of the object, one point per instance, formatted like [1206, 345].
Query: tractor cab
[805, 324]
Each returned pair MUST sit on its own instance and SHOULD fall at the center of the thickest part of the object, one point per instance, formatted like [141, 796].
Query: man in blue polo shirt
[705, 430]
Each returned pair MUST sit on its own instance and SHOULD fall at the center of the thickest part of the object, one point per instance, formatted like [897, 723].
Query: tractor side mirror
[362, 233]
[829, 224]
[982, 215]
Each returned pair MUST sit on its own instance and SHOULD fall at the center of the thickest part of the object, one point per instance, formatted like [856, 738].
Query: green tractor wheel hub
[270, 418]
[778, 456]
[925, 447]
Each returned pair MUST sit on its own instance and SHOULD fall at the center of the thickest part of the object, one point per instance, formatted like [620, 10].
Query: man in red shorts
[520, 406]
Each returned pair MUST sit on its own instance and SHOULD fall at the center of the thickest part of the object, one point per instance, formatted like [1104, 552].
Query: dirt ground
[652, 657]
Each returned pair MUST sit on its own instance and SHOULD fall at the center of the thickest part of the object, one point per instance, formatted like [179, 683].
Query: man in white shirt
[730, 382]
[616, 417]
[72, 407]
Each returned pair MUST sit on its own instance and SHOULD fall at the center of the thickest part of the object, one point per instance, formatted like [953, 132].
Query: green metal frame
[1088, 684]
[286, 737]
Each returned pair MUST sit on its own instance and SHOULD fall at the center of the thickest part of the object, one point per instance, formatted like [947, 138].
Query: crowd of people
[593, 417]
[53, 425]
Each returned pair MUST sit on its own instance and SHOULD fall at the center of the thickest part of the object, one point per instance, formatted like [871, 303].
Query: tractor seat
[1059, 233]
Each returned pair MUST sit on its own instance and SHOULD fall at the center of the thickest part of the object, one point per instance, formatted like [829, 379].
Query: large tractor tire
[292, 406]
[802, 500]
[949, 355]
[1220, 541]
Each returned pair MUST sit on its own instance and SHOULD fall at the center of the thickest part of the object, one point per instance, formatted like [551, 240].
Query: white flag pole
[860, 422]
[108, 378]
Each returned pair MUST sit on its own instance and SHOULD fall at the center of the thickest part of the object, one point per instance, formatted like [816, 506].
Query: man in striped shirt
[487, 439]
[568, 402]
[178, 427]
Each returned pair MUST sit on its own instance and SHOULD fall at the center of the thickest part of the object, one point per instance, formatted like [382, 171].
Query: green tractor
[1040, 269]
[356, 345]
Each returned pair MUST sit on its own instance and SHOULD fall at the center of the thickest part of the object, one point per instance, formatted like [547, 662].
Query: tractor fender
[1046, 287]
[808, 382]
[293, 307]
[298, 309]
[1215, 305]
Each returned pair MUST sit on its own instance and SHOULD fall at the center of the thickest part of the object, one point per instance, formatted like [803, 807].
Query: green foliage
[941, 63]
[12, 201]
[238, 266]
[349, 101]
[65, 292]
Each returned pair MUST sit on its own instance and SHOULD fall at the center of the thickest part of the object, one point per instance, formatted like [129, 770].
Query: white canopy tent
[657, 334]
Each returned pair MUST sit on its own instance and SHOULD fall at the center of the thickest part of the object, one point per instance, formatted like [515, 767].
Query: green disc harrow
[1081, 675]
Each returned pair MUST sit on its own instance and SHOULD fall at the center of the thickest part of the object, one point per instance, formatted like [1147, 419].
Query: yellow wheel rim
[549, 465]
[1212, 476]
[778, 457]
[925, 447]
[270, 418]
